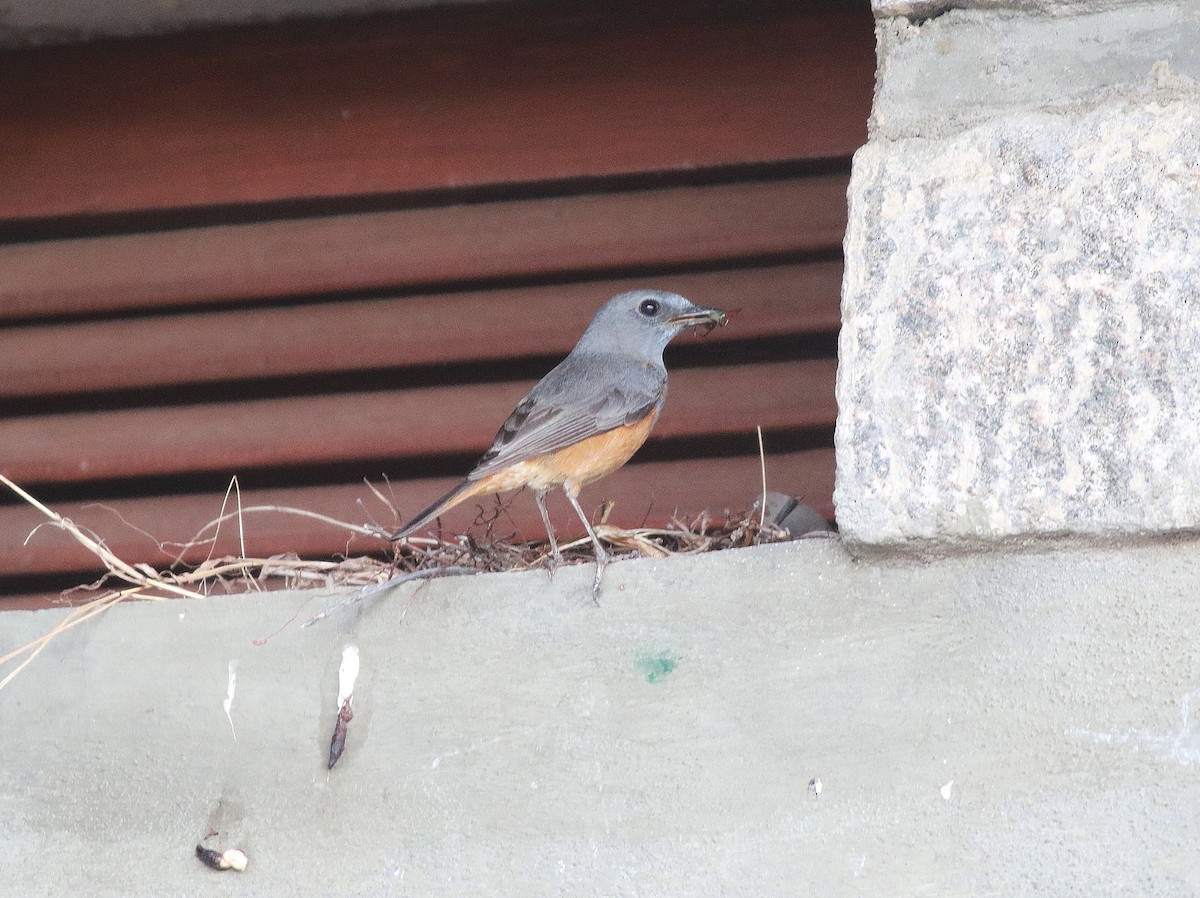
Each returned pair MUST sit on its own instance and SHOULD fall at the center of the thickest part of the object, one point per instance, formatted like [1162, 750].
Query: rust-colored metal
[444, 99]
[349, 200]
[378, 334]
[230, 264]
[240, 436]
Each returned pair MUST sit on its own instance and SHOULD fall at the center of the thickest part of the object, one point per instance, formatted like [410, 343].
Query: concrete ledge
[970, 66]
[991, 724]
[926, 9]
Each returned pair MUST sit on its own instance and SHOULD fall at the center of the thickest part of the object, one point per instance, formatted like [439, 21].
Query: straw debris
[414, 558]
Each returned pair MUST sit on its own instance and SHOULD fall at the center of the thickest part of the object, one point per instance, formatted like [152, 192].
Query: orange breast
[575, 466]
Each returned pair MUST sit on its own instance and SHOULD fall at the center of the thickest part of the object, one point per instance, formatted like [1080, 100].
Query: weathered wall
[1021, 346]
[987, 725]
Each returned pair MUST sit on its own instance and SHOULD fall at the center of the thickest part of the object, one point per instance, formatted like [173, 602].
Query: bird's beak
[711, 317]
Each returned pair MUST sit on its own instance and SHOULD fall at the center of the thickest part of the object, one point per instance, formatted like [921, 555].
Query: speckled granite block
[1020, 353]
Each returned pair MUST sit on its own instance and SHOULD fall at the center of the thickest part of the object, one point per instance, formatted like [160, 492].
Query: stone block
[1020, 352]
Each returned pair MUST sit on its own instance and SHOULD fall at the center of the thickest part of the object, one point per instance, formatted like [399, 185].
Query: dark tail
[463, 491]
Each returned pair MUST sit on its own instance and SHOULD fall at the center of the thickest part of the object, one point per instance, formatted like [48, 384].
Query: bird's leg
[555, 555]
[601, 555]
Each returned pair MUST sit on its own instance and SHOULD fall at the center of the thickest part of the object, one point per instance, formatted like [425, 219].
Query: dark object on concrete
[338, 744]
[790, 514]
[230, 859]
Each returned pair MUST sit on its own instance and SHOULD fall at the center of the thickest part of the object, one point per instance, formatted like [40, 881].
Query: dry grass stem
[414, 558]
[762, 466]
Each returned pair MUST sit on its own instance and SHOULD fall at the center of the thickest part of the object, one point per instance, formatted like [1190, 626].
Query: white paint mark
[946, 790]
[1183, 749]
[347, 674]
[1178, 744]
[437, 760]
[229, 691]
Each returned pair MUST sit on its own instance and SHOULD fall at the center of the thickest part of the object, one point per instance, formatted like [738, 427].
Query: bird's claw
[601, 564]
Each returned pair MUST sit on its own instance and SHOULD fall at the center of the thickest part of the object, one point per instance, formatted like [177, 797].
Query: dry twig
[414, 558]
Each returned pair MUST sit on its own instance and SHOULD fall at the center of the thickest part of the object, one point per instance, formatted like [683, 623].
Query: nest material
[414, 558]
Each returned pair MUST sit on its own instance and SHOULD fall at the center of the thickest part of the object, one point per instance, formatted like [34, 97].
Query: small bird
[588, 416]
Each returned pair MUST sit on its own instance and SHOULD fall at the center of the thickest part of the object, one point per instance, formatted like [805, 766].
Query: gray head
[643, 322]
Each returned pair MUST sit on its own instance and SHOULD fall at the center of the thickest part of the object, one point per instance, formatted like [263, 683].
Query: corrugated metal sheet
[308, 254]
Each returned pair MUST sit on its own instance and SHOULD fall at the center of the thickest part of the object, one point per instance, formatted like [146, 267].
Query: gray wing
[580, 398]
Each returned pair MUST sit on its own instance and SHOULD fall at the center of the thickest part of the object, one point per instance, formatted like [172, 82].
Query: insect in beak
[706, 318]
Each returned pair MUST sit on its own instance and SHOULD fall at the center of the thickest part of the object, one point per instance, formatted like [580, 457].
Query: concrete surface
[1000, 724]
[967, 67]
[924, 9]
[1020, 353]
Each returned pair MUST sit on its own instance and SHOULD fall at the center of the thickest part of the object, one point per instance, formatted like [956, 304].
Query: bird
[790, 514]
[588, 416]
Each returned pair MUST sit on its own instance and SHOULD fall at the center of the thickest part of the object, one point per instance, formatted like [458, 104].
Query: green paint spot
[656, 666]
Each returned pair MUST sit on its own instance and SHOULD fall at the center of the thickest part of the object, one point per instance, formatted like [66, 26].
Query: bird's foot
[601, 564]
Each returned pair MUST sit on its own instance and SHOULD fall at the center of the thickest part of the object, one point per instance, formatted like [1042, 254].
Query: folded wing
[577, 400]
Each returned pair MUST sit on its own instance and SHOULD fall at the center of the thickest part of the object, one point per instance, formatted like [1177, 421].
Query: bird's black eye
[649, 308]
